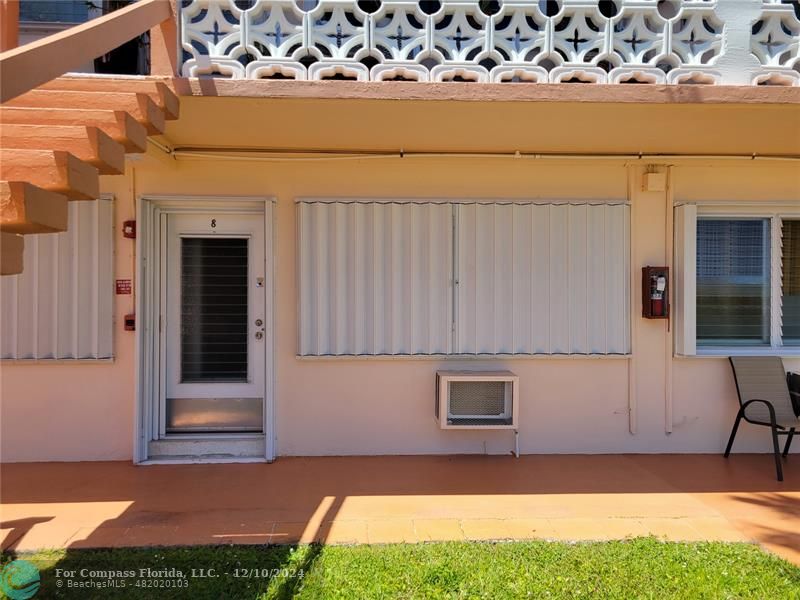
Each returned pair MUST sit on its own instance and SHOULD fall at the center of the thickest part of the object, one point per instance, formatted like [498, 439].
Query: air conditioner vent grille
[477, 398]
[476, 422]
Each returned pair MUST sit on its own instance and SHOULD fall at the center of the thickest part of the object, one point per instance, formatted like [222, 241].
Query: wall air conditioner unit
[477, 399]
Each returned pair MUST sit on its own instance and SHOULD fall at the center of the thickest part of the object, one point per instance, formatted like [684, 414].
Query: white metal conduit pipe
[278, 155]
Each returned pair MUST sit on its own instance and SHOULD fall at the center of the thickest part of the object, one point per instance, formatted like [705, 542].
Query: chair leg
[788, 442]
[733, 433]
[776, 451]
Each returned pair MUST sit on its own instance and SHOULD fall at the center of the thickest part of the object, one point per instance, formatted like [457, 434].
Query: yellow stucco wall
[85, 411]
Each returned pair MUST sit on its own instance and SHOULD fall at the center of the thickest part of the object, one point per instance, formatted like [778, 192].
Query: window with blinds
[213, 309]
[790, 281]
[737, 280]
[423, 278]
[733, 282]
[62, 305]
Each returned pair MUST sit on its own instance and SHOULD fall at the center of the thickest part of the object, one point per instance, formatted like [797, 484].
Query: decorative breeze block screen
[62, 305]
[391, 278]
[626, 41]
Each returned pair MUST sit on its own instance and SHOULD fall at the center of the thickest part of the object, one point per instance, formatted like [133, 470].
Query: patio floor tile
[384, 499]
[390, 531]
[526, 529]
[486, 529]
[596, 529]
[343, 532]
[672, 530]
[718, 530]
[434, 530]
[291, 533]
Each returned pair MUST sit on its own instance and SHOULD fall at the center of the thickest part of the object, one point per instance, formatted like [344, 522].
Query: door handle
[260, 332]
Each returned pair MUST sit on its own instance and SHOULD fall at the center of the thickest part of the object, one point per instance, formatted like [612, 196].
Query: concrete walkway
[403, 499]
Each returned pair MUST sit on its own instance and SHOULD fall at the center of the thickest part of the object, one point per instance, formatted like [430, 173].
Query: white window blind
[736, 280]
[790, 281]
[61, 305]
[733, 281]
[517, 278]
[543, 279]
[374, 278]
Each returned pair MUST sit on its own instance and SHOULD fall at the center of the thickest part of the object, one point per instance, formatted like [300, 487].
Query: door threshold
[202, 460]
[209, 449]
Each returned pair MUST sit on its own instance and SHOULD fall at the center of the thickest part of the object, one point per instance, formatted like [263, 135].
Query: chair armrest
[770, 408]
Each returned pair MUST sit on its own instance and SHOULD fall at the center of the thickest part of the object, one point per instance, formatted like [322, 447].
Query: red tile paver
[402, 499]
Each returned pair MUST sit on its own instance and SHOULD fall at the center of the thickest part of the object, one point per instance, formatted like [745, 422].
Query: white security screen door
[213, 322]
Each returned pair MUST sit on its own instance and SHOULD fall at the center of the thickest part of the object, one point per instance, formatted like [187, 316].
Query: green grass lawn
[640, 568]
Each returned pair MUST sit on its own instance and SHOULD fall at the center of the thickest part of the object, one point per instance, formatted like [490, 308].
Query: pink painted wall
[69, 411]
[85, 411]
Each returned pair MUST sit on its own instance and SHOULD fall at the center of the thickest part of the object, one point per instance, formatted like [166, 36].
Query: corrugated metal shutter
[543, 279]
[61, 306]
[374, 278]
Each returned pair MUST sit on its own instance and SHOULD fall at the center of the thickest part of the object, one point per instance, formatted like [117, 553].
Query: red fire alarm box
[130, 322]
[129, 229]
[655, 292]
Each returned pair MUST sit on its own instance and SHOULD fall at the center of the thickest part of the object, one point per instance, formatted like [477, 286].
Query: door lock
[259, 335]
[259, 322]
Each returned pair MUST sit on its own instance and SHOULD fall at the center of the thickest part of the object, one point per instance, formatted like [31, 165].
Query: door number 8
[213, 223]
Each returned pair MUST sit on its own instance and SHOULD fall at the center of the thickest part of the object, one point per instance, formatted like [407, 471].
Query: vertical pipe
[9, 24]
[35, 300]
[633, 174]
[164, 46]
[56, 283]
[668, 235]
[455, 275]
[75, 234]
[96, 294]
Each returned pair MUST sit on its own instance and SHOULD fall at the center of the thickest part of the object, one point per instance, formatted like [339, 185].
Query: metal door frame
[149, 263]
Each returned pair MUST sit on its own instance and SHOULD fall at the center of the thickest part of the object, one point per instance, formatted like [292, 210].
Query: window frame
[775, 213]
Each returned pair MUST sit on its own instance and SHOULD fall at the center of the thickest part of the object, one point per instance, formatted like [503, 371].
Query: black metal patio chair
[764, 399]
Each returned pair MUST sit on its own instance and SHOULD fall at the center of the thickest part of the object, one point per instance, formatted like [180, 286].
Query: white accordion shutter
[374, 278]
[543, 279]
[685, 280]
[61, 305]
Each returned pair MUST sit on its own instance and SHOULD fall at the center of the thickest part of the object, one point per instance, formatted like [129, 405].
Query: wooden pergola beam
[9, 24]
[12, 247]
[140, 106]
[89, 144]
[158, 92]
[30, 209]
[28, 66]
[117, 124]
[52, 170]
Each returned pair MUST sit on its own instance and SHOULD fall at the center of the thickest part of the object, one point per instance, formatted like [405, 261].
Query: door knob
[259, 322]
[259, 335]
